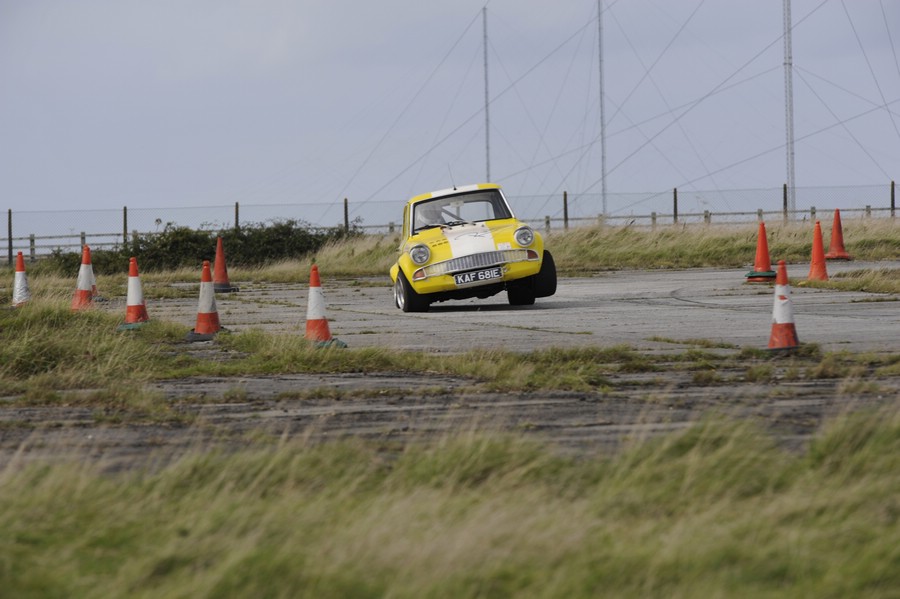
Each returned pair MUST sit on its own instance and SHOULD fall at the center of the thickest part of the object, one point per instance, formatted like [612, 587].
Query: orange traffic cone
[84, 297]
[817, 270]
[220, 280]
[136, 308]
[836, 250]
[207, 315]
[784, 333]
[762, 267]
[317, 329]
[21, 293]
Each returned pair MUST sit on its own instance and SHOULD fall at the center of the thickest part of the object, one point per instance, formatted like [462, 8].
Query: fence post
[566, 210]
[237, 216]
[675, 205]
[892, 199]
[868, 211]
[31, 246]
[812, 214]
[391, 227]
[759, 215]
[653, 221]
[83, 240]
[124, 225]
[784, 202]
[346, 217]
[9, 234]
[706, 217]
[547, 224]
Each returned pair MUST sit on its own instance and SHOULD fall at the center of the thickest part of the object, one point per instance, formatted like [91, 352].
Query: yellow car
[465, 242]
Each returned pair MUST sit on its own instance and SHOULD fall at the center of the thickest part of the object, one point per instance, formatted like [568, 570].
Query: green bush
[253, 244]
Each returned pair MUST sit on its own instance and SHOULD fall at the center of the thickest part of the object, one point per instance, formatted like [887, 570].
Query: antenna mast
[789, 106]
[487, 116]
[602, 103]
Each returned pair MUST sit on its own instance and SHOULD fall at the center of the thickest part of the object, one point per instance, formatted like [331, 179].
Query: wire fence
[38, 233]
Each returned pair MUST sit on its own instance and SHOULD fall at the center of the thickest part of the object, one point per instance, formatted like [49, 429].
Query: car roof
[453, 191]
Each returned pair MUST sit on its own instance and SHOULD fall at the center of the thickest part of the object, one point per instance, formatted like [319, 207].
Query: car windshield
[473, 207]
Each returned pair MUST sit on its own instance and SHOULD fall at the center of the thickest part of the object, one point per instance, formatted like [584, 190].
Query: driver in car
[429, 214]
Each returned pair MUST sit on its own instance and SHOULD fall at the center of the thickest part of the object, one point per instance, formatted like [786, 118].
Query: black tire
[406, 298]
[520, 292]
[545, 280]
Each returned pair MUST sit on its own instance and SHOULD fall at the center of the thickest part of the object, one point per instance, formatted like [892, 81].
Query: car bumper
[440, 283]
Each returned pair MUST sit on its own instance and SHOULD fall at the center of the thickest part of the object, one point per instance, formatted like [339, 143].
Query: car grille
[474, 261]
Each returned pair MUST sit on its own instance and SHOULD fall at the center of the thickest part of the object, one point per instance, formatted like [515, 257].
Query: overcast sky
[105, 103]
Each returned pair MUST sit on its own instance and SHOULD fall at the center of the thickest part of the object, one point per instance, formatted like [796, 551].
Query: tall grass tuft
[717, 510]
[44, 345]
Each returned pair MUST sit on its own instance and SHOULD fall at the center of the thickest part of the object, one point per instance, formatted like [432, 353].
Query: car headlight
[420, 254]
[524, 236]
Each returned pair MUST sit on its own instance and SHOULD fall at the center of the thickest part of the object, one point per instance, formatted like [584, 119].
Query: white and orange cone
[136, 308]
[207, 315]
[84, 296]
[221, 284]
[784, 333]
[317, 329]
[21, 293]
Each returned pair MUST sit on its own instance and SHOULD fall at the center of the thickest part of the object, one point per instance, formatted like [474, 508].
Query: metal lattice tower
[487, 116]
[789, 106]
[602, 104]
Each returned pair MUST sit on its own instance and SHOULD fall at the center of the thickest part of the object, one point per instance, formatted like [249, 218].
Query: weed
[706, 377]
[759, 373]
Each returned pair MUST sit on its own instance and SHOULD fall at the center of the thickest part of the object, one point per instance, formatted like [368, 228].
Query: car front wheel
[520, 292]
[545, 280]
[406, 298]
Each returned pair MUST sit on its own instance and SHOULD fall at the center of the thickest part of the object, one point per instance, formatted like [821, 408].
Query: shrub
[175, 247]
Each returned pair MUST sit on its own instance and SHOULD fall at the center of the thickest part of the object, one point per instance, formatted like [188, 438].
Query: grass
[49, 355]
[716, 510]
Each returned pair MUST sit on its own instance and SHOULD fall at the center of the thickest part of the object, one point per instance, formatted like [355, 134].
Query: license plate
[478, 276]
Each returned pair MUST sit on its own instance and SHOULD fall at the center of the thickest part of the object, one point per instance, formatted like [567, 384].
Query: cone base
[207, 323]
[760, 276]
[838, 256]
[333, 342]
[224, 288]
[131, 326]
[194, 337]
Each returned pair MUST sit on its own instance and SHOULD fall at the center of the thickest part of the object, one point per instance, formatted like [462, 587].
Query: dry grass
[730, 246]
[579, 250]
[714, 511]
